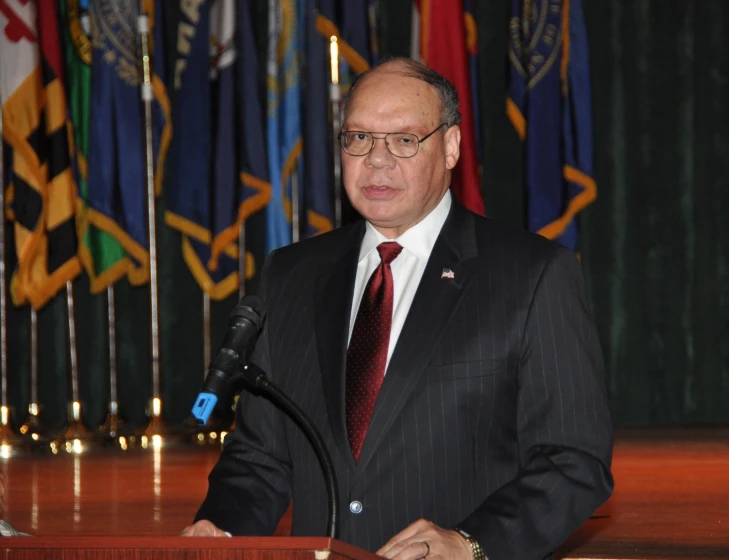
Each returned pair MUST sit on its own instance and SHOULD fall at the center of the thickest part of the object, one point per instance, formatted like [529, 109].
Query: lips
[379, 192]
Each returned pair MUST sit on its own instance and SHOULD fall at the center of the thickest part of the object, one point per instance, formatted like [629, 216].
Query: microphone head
[251, 308]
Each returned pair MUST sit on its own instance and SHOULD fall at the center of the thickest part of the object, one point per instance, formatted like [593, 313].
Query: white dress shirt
[407, 269]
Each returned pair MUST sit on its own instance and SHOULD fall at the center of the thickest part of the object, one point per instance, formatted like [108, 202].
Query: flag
[372, 18]
[188, 190]
[318, 163]
[103, 257]
[252, 168]
[471, 29]
[549, 104]
[116, 198]
[284, 117]
[35, 127]
[219, 173]
[353, 35]
[356, 34]
[349, 23]
[440, 42]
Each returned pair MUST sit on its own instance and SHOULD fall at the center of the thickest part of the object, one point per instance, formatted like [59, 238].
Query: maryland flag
[549, 105]
[42, 191]
[444, 40]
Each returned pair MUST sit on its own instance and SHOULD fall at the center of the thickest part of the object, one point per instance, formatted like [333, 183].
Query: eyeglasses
[399, 144]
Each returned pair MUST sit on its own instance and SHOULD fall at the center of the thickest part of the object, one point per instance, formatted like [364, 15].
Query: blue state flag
[117, 190]
[549, 104]
[356, 28]
[318, 170]
[219, 174]
[284, 118]
[254, 188]
[202, 188]
[348, 22]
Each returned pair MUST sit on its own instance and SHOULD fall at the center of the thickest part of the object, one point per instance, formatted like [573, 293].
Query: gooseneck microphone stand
[256, 377]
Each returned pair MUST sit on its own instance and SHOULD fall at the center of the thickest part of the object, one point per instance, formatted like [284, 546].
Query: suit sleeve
[564, 428]
[249, 488]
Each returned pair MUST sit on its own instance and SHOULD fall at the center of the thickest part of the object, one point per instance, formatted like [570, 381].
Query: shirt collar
[419, 239]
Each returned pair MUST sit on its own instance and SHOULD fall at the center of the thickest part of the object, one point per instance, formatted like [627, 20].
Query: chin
[378, 215]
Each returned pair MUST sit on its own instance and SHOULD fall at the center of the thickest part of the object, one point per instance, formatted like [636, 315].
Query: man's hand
[203, 528]
[425, 539]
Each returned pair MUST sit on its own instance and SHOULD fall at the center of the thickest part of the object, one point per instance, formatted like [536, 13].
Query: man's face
[392, 193]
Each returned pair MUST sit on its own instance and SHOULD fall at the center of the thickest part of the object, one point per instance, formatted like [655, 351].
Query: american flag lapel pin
[447, 273]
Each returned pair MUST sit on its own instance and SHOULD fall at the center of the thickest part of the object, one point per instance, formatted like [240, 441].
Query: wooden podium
[187, 548]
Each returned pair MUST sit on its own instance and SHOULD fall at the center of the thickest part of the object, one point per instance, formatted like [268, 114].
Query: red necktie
[367, 352]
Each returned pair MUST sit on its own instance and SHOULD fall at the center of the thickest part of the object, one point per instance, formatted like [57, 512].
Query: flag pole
[295, 206]
[110, 428]
[74, 430]
[7, 437]
[334, 102]
[32, 429]
[206, 333]
[242, 260]
[201, 432]
[155, 429]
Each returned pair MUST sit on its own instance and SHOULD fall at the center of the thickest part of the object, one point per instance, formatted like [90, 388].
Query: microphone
[245, 323]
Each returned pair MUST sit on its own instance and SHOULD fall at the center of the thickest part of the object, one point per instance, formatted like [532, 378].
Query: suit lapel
[333, 309]
[435, 302]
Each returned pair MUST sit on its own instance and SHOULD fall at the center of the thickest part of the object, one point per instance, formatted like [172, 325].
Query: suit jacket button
[355, 507]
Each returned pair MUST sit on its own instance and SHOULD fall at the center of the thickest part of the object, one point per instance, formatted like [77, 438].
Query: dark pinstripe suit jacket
[492, 416]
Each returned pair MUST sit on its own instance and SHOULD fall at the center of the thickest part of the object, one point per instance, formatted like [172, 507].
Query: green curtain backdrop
[655, 245]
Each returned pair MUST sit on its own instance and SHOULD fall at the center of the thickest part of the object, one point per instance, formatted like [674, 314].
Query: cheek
[350, 174]
[417, 178]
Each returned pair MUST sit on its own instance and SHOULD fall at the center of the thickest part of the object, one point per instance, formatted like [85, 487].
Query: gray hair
[450, 113]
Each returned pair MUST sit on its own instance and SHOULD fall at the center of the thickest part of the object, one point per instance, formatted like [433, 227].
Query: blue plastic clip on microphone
[204, 406]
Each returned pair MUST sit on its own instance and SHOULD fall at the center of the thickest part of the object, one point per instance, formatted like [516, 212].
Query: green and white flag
[103, 257]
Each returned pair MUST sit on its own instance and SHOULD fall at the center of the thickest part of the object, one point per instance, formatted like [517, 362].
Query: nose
[380, 156]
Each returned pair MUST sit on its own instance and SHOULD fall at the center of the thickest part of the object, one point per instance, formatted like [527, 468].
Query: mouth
[379, 192]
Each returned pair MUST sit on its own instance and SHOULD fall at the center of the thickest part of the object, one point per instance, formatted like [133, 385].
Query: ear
[452, 141]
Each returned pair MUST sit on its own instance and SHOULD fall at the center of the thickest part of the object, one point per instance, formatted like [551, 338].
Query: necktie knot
[389, 250]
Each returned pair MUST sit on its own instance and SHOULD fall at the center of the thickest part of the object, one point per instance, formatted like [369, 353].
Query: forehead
[385, 99]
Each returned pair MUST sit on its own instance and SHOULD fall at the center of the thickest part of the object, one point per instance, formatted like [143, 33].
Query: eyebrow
[410, 129]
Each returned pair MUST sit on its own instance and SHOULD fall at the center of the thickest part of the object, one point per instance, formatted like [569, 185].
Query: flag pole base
[155, 433]
[75, 437]
[74, 428]
[110, 428]
[7, 435]
[156, 427]
[32, 431]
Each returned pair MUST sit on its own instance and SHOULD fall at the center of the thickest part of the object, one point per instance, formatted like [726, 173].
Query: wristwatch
[478, 553]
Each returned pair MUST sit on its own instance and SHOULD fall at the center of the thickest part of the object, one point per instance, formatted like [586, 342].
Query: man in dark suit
[449, 361]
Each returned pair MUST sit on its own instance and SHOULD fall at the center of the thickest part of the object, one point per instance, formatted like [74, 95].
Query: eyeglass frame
[386, 134]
